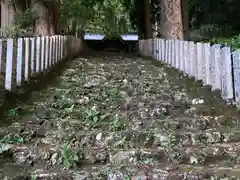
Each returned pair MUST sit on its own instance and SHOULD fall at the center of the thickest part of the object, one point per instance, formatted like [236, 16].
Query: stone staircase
[120, 118]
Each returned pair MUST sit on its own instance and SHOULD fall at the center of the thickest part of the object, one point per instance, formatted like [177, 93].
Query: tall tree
[137, 17]
[185, 19]
[45, 17]
[171, 25]
[7, 14]
[10, 10]
[15, 17]
[147, 20]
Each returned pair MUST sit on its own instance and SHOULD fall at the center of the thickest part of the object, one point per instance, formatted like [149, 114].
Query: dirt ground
[120, 117]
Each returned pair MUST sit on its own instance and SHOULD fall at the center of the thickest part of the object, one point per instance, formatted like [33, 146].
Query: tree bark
[171, 19]
[57, 16]
[184, 5]
[54, 10]
[74, 28]
[44, 18]
[139, 5]
[148, 23]
[7, 14]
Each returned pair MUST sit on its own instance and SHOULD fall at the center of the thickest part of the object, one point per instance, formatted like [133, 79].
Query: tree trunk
[57, 16]
[54, 10]
[139, 5]
[185, 18]
[171, 19]
[74, 27]
[44, 20]
[7, 14]
[52, 28]
[148, 23]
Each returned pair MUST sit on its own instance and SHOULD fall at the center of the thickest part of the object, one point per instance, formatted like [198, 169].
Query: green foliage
[93, 117]
[197, 4]
[70, 158]
[33, 177]
[14, 112]
[113, 93]
[116, 125]
[215, 21]
[11, 32]
[12, 139]
[236, 42]
[100, 16]
[214, 30]
[218, 12]
[24, 19]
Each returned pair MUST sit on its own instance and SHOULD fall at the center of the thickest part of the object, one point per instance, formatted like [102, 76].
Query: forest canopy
[203, 19]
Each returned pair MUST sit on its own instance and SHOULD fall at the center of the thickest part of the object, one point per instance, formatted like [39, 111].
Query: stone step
[163, 125]
[144, 139]
[162, 172]
[155, 140]
[26, 172]
[225, 154]
[110, 172]
[125, 139]
[116, 136]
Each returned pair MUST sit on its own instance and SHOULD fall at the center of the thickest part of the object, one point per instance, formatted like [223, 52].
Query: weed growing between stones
[33, 177]
[12, 139]
[92, 117]
[70, 158]
[116, 125]
[14, 112]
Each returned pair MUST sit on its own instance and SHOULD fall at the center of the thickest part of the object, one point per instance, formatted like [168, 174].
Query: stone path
[120, 117]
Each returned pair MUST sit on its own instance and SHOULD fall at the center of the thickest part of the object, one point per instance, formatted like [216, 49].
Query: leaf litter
[119, 117]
